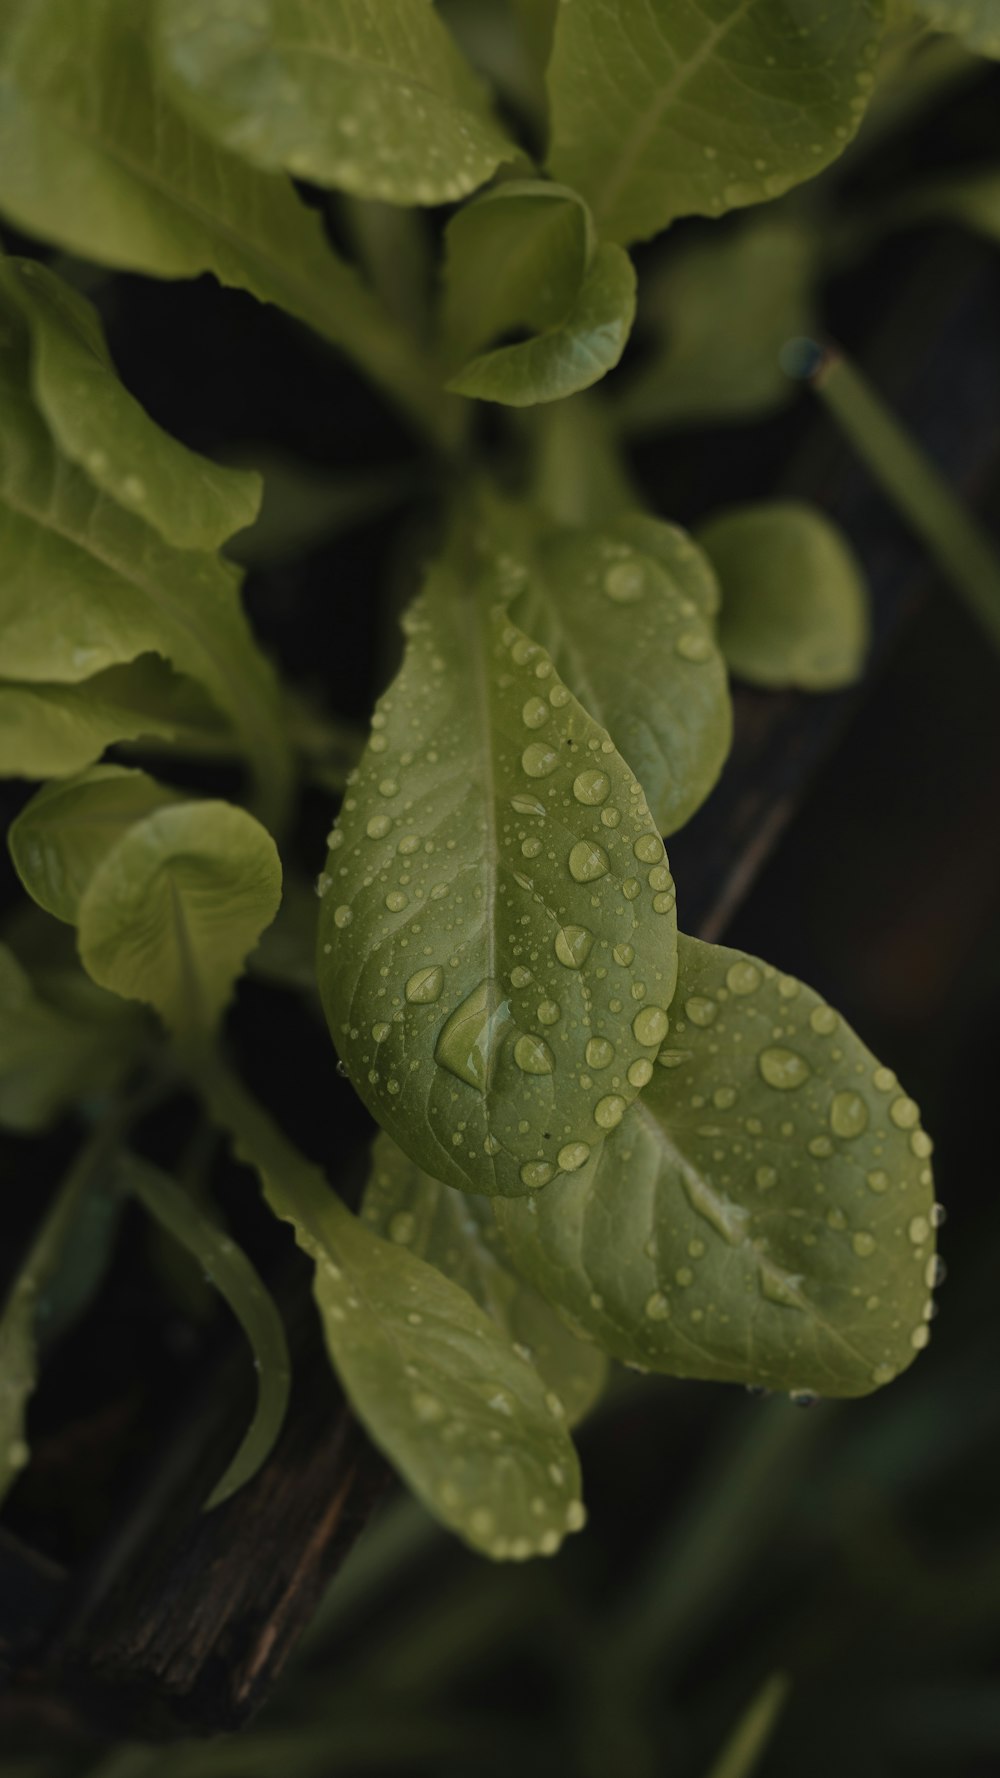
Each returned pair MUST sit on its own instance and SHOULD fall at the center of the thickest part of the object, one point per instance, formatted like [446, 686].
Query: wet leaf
[465, 1419]
[457, 1233]
[63, 833]
[794, 600]
[497, 927]
[237, 1281]
[639, 652]
[717, 314]
[172, 910]
[375, 100]
[667, 108]
[763, 1215]
[51, 731]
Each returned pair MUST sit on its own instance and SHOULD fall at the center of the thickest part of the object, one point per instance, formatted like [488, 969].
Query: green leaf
[238, 1282]
[50, 1057]
[667, 108]
[374, 99]
[97, 424]
[514, 259]
[50, 731]
[977, 22]
[622, 628]
[763, 1215]
[172, 910]
[794, 600]
[463, 1417]
[497, 927]
[96, 157]
[571, 355]
[744, 1748]
[578, 474]
[63, 833]
[971, 198]
[457, 1233]
[718, 313]
[88, 585]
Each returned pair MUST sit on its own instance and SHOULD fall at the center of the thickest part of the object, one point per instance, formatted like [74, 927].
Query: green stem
[951, 534]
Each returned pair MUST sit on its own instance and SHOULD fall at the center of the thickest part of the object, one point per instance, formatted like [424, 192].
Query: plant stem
[951, 534]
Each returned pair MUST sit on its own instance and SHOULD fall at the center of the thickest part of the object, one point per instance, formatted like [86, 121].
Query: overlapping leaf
[763, 1215]
[463, 1416]
[794, 603]
[457, 1233]
[977, 22]
[497, 927]
[50, 731]
[524, 258]
[89, 585]
[718, 313]
[372, 97]
[63, 833]
[171, 911]
[51, 1056]
[667, 108]
[624, 631]
[96, 157]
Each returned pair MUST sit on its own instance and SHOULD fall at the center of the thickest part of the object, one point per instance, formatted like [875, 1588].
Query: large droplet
[548, 1012]
[538, 760]
[535, 713]
[532, 1055]
[784, 1069]
[591, 787]
[378, 827]
[650, 1025]
[609, 1111]
[536, 1173]
[848, 1115]
[743, 977]
[572, 946]
[649, 848]
[587, 862]
[468, 1041]
[573, 1156]
[426, 985]
[700, 1010]
[599, 1053]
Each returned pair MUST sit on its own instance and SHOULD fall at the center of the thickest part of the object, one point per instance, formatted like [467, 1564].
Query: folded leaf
[764, 1214]
[457, 1234]
[624, 632]
[171, 911]
[794, 601]
[88, 585]
[497, 927]
[63, 833]
[229, 1269]
[977, 22]
[50, 731]
[718, 313]
[463, 1417]
[96, 423]
[51, 1058]
[95, 156]
[667, 108]
[514, 259]
[373, 98]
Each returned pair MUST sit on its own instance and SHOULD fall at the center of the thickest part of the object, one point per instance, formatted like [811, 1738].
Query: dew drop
[378, 827]
[863, 1243]
[631, 888]
[572, 946]
[882, 1374]
[783, 1069]
[878, 1180]
[388, 787]
[535, 712]
[380, 1032]
[587, 861]
[402, 1227]
[599, 1053]
[573, 1156]
[766, 1177]
[648, 848]
[548, 1012]
[343, 915]
[527, 805]
[625, 582]
[743, 978]
[823, 1020]
[848, 1115]
[536, 1173]
[640, 1073]
[905, 1113]
[608, 1112]
[700, 1010]
[650, 1025]
[468, 1040]
[538, 760]
[623, 954]
[532, 1055]
[425, 986]
[693, 645]
[658, 1307]
[592, 787]
[919, 1230]
[396, 901]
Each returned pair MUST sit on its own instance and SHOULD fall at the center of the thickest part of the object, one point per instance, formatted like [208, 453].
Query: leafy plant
[601, 1137]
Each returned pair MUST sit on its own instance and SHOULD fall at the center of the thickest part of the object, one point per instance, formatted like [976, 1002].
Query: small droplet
[388, 787]
[532, 1055]
[658, 1306]
[623, 954]
[425, 986]
[573, 1156]
[765, 1178]
[535, 712]
[548, 1012]
[848, 1115]
[592, 787]
[587, 862]
[700, 1010]
[783, 1069]
[599, 1053]
[882, 1374]
[625, 582]
[527, 805]
[863, 1243]
[648, 848]
[396, 901]
[538, 760]
[650, 1025]
[905, 1113]
[536, 1173]
[608, 1112]
[743, 977]
[381, 1031]
[378, 827]
[693, 645]
[823, 1020]
[402, 1227]
[572, 946]
[343, 915]
[919, 1230]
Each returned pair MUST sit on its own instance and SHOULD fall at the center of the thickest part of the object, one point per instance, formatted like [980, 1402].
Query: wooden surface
[181, 1621]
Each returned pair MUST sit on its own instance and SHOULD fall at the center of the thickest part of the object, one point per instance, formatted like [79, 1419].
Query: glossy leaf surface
[718, 313]
[457, 1233]
[667, 108]
[639, 652]
[62, 834]
[237, 1281]
[371, 97]
[765, 1213]
[442, 1392]
[172, 910]
[794, 601]
[497, 928]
